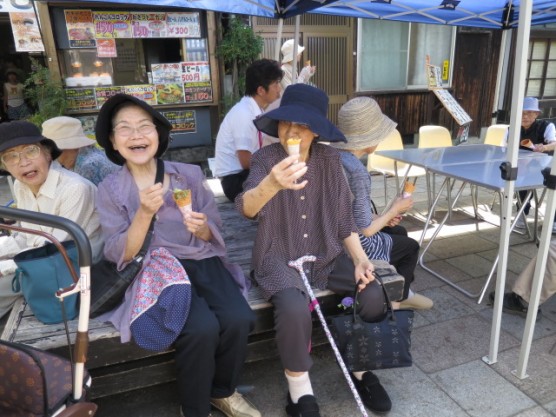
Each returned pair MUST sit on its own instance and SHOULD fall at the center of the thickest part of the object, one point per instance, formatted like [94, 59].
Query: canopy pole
[540, 268]
[518, 90]
[295, 44]
[278, 39]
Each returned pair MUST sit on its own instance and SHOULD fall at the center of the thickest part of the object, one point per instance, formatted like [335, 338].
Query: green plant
[46, 96]
[240, 46]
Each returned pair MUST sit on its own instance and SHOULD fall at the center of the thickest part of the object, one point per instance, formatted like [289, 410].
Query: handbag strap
[389, 310]
[159, 177]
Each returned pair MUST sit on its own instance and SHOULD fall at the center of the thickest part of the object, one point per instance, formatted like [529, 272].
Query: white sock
[410, 293]
[358, 375]
[299, 386]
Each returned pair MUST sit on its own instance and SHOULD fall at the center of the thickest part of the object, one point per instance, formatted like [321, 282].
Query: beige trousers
[524, 282]
[7, 296]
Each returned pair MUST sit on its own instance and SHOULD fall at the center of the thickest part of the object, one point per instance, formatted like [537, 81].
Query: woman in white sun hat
[364, 126]
[287, 65]
[78, 151]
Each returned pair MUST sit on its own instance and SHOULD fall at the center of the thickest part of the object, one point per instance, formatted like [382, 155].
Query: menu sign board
[145, 92]
[104, 93]
[169, 93]
[183, 121]
[194, 72]
[166, 73]
[26, 32]
[106, 48]
[453, 107]
[198, 94]
[112, 25]
[183, 25]
[81, 29]
[81, 99]
[148, 25]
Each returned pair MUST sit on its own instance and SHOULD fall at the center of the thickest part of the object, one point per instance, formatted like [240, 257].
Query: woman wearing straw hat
[303, 206]
[364, 126]
[78, 153]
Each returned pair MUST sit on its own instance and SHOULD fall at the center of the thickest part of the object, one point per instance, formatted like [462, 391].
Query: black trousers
[212, 346]
[232, 184]
[404, 257]
[522, 196]
[292, 317]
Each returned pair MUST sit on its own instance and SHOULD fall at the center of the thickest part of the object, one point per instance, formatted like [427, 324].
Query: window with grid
[541, 80]
[391, 55]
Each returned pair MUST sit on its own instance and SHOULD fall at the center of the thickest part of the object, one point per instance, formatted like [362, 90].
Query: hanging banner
[148, 25]
[106, 48]
[81, 29]
[25, 28]
[183, 25]
[112, 25]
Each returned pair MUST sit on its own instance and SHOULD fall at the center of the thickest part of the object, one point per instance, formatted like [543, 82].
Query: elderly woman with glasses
[43, 185]
[211, 346]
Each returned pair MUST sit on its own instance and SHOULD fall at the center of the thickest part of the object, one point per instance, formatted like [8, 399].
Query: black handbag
[381, 345]
[108, 285]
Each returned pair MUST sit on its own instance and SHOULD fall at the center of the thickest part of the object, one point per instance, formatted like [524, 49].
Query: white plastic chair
[496, 135]
[432, 136]
[387, 167]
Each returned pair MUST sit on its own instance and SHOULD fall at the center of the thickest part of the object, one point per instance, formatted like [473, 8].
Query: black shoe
[514, 304]
[372, 393]
[306, 406]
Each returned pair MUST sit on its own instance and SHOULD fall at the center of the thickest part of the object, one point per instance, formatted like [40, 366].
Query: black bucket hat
[21, 132]
[303, 104]
[104, 126]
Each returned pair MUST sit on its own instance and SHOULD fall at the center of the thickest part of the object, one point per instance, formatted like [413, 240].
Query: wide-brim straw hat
[287, 50]
[67, 132]
[363, 124]
[531, 104]
[104, 127]
[21, 132]
[303, 104]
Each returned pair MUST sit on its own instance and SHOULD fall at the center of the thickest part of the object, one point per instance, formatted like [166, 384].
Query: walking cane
[298, 264]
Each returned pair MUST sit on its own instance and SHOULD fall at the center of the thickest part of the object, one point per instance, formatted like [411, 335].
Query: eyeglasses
[13, 158]
[127, 131]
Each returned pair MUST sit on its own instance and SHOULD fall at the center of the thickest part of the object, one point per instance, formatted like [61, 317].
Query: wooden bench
[118, 367]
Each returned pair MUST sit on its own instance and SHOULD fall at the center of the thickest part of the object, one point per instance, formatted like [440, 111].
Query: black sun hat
[21, 132]
[303, 104]
[104, 126]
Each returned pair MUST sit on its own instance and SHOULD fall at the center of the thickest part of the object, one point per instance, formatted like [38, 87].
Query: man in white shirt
[238, 138]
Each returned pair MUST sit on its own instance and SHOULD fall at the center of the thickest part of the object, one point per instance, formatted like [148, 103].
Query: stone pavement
[448, 377]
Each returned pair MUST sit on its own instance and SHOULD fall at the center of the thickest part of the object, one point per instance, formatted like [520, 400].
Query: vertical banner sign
[112, 25]
[81, 29]
[27, 35]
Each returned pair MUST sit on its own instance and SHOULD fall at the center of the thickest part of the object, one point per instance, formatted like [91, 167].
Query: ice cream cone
[527, 143]
[183, 200]
[293, 146]
[408, 189]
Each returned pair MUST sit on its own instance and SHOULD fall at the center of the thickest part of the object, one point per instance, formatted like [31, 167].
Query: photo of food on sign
[169, 93]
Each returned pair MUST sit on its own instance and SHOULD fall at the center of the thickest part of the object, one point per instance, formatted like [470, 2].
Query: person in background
[42, 185]
[302, 205]
[79, 153]
[364, 126]
[238, 138]
[14, 100]
[542, 135]
[212, 345]
[287, 65]
[517, 300]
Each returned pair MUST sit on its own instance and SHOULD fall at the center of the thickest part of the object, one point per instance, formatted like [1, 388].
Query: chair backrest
[379, 163]
[434, 137]
[496, 135]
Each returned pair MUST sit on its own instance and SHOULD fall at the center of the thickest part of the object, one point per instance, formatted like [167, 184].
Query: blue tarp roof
[478, 13]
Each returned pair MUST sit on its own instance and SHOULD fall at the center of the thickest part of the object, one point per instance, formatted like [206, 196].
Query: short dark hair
[262, 73]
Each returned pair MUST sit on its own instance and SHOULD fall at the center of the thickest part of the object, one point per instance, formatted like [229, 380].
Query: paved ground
[448, 377]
